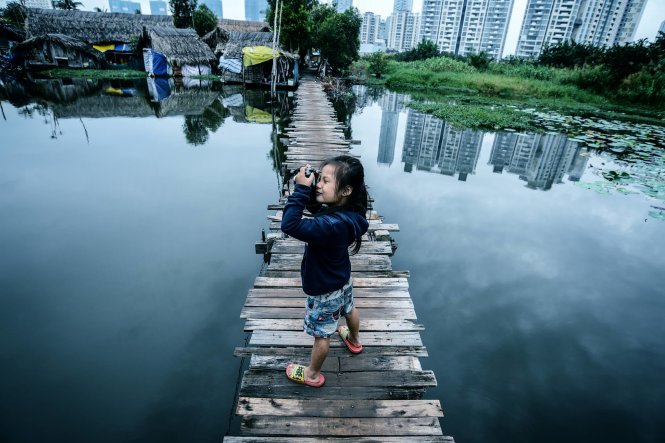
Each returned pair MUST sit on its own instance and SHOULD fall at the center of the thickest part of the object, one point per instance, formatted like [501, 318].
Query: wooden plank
[367, 313]
[359, 262]
[321, 426]
[392, 379]
[355, 274]
[366, 363]
[354, 439]
[293, 324]
[294, 390]
[296, 292]
[300, 338]
[366, 247]
[402, 303]
[317, 407]
[302, 353]
[271, 282]
[373, 226]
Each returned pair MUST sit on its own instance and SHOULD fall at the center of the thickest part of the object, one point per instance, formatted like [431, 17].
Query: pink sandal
[344, 332]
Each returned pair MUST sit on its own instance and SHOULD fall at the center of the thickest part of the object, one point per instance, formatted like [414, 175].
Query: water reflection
[203, 105]
[539, 159]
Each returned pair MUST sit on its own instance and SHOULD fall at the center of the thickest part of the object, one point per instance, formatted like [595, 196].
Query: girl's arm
[318, 229]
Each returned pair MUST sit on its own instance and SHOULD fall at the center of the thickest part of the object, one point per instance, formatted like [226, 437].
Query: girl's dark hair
[350, 172]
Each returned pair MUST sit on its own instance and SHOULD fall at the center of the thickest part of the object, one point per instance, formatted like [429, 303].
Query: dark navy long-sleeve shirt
[325, 265]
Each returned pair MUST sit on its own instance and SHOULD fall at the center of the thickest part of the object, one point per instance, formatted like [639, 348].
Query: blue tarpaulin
[155, 62]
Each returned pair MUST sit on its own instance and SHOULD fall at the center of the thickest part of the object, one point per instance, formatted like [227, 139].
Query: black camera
[308, 172]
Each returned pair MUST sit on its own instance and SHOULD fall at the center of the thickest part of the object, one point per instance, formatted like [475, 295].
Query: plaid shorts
[322, 312]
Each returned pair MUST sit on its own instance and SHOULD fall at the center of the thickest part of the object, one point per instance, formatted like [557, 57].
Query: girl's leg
[353, 322]
[319, 354]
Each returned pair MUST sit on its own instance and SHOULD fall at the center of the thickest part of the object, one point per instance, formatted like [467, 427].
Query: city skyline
[653, 17]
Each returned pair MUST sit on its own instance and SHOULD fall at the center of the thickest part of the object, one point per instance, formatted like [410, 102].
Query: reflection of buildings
[433, 145]
[391, 106]
[539, 159]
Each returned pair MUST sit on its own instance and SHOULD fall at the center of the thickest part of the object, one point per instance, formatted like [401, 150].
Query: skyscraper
[158, 7]
[369, 29]
[403, 6]
[402, 31]
[255, 10]
[43, 4]
[215, 6]
[465, 27]
[126, 6]
[662, 27]
[342, 5]
[597, 22]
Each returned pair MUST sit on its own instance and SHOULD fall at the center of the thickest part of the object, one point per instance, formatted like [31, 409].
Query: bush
[377, 64]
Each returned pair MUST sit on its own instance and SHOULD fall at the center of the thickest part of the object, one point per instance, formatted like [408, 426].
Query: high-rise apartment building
[662, 27]
[369, 29]
[126, 6]
[596, 22]
[158, 7]
[466, 27]
[255, 10]
[215, 6]
[402, 31]
[43, 4]
[342, 5]
[403, 6]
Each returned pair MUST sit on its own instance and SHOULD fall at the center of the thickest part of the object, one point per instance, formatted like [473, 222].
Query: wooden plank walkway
[375, 396]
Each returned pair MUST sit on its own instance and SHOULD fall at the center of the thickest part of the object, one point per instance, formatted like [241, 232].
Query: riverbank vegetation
[626, 79]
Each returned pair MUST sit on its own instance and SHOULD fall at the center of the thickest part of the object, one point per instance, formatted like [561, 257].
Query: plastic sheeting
[158, 88]
[230, 64]
[155, 63]
[192, 70]
[254, 55]
[119, 47]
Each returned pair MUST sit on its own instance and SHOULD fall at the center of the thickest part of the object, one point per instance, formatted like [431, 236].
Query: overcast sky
[654, 14]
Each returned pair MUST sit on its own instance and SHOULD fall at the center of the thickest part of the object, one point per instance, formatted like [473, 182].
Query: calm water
[129, 214]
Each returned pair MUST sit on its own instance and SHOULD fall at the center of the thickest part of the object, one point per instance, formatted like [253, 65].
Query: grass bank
[493, 98]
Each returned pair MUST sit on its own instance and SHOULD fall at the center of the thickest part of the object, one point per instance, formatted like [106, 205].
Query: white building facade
[464, 27]
[596, 22]
[370, 27]
[402, 31]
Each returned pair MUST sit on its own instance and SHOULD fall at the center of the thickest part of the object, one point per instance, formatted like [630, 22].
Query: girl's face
[326, 188]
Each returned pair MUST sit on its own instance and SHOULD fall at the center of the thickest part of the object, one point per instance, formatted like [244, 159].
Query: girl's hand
[301, 179]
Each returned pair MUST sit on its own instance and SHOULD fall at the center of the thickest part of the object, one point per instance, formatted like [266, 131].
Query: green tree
[14, 14]
[425, 49]
[296, 24]
[182, 12]
[377, 63]
[480, 61]
[337, 37]
[204, 20]
[66, 4]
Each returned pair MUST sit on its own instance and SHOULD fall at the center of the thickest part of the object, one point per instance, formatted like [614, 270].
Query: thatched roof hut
[180, 48]
[52, 50]
[238, 40]
[219, 36]
[91, 27]
[243, 26]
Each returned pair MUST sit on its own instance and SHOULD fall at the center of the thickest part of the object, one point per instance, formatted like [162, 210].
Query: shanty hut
[10, 36]
[110, 33]
[176, 52]
[247, 58]
[57, 50]
[220, 36]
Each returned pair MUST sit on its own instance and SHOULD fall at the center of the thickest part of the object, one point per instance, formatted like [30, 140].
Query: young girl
[326, 268]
